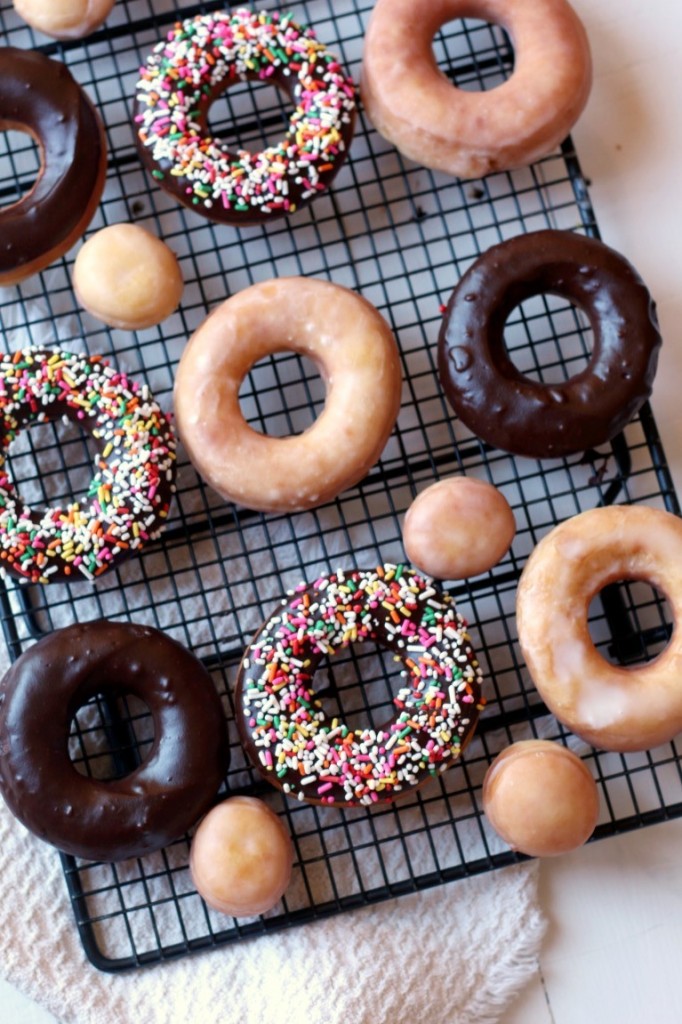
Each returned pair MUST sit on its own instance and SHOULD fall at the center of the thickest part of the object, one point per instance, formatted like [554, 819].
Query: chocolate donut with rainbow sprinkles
[200, 59]
[310, 756]
[129, 494]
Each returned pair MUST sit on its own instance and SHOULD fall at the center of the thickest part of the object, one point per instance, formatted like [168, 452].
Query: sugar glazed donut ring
[283, 726]
[357, 357]
[129, 496]
[199, 60]
[468, 134]
[611, 707]
[524, 416]
[180, 774]
[39, 96]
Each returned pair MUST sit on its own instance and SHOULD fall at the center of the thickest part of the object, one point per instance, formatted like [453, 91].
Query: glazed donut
[524, 416]
[199, 60]
[611, 707]
[283, 726]
[413, 105]
[64, 19]
[180, 774]
[40, 97]
[357, 357]
[128, 499]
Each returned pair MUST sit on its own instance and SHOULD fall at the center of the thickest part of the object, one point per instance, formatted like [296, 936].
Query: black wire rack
[402, 237]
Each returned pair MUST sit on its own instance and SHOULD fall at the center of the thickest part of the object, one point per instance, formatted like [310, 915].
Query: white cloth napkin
[451, 955]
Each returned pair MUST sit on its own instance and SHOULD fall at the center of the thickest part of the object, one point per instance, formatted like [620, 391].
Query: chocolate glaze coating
[523, 416]
[157, 802]
[40, 96]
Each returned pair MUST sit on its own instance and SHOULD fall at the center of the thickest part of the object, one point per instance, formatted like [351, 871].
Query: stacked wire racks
[402, 237]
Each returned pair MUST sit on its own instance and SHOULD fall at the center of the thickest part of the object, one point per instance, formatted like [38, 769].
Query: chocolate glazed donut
[39, 96]
[159, 800]
[523, 416]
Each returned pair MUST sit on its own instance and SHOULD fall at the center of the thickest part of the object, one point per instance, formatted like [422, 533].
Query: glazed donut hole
[64, 19]
[241, 857]
[541, 798]
[127, 278]
[458, 527]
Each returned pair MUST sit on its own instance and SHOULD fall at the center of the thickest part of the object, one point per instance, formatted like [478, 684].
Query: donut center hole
[358, 685]
[630, 622]
[110, 736]
[548, 340]
[475, 55]
[51, 464]
[19, 165]
[282, 394]
[251, 115]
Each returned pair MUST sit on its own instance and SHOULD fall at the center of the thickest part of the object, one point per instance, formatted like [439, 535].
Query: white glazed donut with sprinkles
[199, 60]
[134, 473]
[283, 725]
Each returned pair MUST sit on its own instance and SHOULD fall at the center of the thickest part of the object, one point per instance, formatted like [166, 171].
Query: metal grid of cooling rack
[402, 237]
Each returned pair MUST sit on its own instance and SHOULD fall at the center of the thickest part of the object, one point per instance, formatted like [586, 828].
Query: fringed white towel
[453, 955]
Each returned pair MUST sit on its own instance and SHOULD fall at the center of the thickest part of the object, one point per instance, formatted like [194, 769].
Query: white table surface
[612, 950]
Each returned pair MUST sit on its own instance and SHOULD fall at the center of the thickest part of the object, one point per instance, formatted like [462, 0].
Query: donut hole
[51, 464]
[110, 736]
[282, 395]
[251, 115]
[474, 54]
[548, 339]
[20, 164]
[630, 622]
[358, 685]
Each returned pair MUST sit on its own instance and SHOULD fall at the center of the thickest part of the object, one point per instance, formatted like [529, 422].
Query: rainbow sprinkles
[199, 59]
[130, 492]
[287, 733]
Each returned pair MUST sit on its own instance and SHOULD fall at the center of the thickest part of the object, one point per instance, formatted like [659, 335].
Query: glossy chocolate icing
[523, 416]
[40, 96]
[165, 795]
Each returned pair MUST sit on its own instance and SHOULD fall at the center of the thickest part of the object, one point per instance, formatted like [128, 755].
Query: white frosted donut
[611, 707]
[357, 357]
[469, 134]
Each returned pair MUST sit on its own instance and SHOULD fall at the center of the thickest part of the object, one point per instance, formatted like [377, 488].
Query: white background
[613, 948]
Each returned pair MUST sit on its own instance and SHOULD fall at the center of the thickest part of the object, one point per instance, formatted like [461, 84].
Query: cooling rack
[402, 237]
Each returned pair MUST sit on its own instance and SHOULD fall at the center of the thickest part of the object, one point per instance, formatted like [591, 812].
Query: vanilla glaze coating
[610, 706]
[469, 134]
[357, 357]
